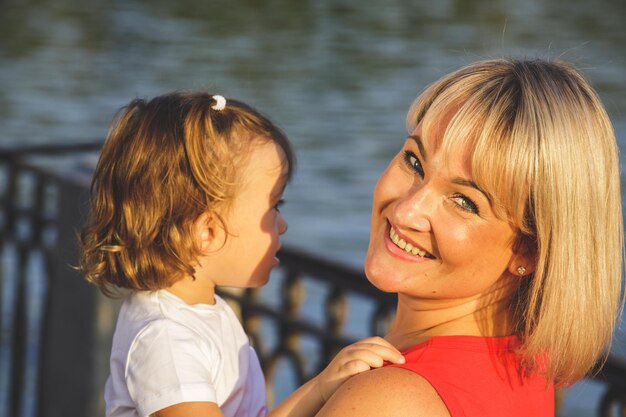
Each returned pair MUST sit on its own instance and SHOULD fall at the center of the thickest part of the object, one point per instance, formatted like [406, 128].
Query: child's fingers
[354, 367]
[380, 353]
[385, 352]
[374, 357]
[356, 358]
[375, 340]
[376, 343]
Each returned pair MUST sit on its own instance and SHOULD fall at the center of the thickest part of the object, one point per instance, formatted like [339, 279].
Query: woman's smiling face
[434, 234]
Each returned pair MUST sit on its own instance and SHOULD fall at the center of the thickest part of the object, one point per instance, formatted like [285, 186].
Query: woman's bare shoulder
[385, 392]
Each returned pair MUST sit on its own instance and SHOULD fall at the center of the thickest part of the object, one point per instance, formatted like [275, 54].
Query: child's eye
[278, 205]
[411, 160]
[465, 203]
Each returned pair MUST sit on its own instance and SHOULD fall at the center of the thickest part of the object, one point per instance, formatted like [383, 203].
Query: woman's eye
[413, 163]
[278, 205]
[464, 203]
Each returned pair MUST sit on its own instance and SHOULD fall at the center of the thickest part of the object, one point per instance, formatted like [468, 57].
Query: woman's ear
[523, 262]
[206, 231]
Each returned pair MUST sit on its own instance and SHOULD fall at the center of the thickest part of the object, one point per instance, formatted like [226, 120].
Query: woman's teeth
[407, 247]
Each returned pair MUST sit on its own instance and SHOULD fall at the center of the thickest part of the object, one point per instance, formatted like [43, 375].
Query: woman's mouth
[406, 246]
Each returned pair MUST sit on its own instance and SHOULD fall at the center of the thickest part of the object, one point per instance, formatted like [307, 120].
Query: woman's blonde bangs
[483, 124]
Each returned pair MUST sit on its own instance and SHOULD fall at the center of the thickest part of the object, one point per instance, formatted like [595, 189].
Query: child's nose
[282, 224]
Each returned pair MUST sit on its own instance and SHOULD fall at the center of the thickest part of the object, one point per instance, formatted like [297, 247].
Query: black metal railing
[56, 329]
[331, 333]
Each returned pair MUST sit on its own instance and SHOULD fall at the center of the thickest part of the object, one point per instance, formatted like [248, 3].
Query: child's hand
[353, 359]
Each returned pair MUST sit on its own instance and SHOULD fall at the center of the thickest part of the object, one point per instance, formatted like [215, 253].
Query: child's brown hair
[165, 162]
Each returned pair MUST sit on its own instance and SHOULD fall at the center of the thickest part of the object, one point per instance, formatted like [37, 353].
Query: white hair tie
[220, 102]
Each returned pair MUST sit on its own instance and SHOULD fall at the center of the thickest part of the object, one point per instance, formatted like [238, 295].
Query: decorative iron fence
[55, 329]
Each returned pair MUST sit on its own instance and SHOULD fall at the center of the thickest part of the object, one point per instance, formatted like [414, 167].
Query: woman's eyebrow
[469, 183]
[420, 145]
[459, 181]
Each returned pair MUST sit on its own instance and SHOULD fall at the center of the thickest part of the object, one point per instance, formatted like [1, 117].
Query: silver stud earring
[521, 270]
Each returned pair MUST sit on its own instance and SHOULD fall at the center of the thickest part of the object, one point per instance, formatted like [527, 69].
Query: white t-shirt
[166, 351]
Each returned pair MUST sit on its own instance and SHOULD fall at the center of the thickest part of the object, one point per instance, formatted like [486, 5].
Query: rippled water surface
[338, 76]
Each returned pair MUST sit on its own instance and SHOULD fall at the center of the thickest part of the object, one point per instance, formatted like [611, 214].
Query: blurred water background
[338, 76]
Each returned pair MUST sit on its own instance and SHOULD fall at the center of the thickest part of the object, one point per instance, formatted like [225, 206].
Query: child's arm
[309, 398]
[190, 409]
[351, 360]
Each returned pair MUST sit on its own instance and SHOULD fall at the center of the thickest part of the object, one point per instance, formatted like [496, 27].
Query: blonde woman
[499, 226]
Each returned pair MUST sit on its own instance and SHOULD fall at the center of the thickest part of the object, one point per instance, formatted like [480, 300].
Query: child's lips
[276, 259]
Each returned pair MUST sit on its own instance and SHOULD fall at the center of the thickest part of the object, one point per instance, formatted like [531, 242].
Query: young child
[185, 198]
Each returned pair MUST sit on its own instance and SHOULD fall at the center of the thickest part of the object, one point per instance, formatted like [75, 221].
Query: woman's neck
[418, 320]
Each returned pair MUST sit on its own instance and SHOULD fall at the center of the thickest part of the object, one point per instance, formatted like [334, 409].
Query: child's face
[254, 222]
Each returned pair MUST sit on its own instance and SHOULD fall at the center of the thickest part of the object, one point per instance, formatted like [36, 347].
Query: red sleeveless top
[480, 377]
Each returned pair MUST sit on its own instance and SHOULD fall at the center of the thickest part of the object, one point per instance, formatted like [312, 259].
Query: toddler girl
[185, 198]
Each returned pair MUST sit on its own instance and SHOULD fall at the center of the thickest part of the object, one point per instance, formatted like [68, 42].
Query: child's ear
[524, 261]
[206, 228]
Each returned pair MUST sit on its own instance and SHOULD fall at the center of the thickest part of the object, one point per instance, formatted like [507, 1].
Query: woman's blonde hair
[544, 148]
[164, 163]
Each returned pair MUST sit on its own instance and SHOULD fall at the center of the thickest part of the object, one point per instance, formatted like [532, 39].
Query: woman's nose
[414, 209]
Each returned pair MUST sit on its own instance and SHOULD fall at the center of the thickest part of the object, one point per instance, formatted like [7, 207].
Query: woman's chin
[381, 276]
